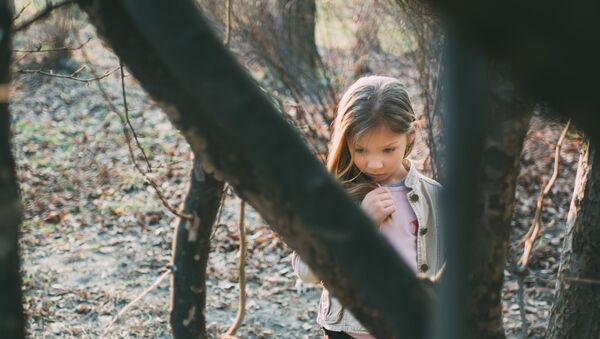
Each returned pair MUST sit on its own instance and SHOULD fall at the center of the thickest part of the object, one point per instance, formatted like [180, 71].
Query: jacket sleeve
[302, 270]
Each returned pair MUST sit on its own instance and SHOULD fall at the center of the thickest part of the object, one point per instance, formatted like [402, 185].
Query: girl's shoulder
[427, 181]
[430, 181]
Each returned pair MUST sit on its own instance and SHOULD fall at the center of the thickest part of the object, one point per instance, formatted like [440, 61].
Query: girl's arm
[302, 270]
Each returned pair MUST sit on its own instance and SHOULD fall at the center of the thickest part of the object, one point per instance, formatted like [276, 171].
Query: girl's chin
[380, 179]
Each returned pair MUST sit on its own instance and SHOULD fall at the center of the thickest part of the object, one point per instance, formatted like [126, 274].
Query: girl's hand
[378, 204]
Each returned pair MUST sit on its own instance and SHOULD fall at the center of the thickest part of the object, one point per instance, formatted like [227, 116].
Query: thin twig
[222, 203]
[532, 234]
[42, 14]
[47, 50]
[582, 280]
[21, 11]
[154, 185]
[521, 294]
[128, 140]
[127, 118]
[70, 76]
[134, 301]
[220, 210]
[228, 22]
[242, 272]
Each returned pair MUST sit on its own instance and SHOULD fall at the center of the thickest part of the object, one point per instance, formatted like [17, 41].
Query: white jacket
[424, 197]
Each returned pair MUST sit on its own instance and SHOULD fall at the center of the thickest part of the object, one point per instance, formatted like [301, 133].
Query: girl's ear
[416, 125]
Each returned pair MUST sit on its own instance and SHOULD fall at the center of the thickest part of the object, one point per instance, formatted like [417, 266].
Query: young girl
[373, 134]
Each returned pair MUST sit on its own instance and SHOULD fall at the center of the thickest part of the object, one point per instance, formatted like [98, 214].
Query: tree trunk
[486, 125]
[235, 131]
[508, 123]
[576, 308]
[12, 322]
[299, 61]
[191, 246]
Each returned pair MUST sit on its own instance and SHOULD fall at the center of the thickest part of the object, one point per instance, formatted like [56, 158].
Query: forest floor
[95, 235]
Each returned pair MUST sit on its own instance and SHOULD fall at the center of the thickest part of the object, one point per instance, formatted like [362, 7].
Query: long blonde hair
[369, 102]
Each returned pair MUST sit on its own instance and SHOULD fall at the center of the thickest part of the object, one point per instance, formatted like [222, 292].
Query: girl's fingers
[385, 214]
[389, 210]
[385, 199]
[386, 204]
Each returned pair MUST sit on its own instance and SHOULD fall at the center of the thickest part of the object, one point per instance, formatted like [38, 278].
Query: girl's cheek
[358, 161]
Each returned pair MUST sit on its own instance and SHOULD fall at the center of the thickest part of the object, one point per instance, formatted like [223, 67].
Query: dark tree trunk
[298, 61]
[12, 322]
[486, 127]
[464, 130]
[191, 246]
[232, 127]
[576, 309]
[282, 35]
[508, 122]
[295, 28]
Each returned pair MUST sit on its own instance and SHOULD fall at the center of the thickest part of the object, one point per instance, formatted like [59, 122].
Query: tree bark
[299, 59]
[191, 246]
[486, 125]
[12, 321]
[576, 308]
[464, 130]
[233, 128]
[508, 121]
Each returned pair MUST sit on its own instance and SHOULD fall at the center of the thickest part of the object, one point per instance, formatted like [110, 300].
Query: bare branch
[138, 298]
[521, 294]
[129, 147]
[242, 262]
[582, 280]
[228, 9]
[47, 50]
[71, 76]
[127, 118]
[532, 234]
[21, 11]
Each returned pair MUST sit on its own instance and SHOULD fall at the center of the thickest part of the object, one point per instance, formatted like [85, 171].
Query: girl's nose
[375, 164]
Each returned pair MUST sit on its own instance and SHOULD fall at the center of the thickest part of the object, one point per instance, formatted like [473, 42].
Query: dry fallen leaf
[83, 308]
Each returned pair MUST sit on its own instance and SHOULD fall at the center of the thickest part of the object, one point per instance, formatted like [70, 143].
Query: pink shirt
[401, 231]
[401, 228]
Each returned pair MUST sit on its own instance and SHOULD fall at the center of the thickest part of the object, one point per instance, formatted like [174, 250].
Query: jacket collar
[413, 174]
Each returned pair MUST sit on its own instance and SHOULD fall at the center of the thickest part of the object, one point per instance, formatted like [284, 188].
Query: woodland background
[95, 235]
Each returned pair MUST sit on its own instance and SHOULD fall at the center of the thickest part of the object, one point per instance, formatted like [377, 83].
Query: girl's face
[379, 152]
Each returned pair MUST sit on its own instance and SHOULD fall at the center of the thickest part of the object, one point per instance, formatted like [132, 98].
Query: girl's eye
[359, 150]
[388, 150]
